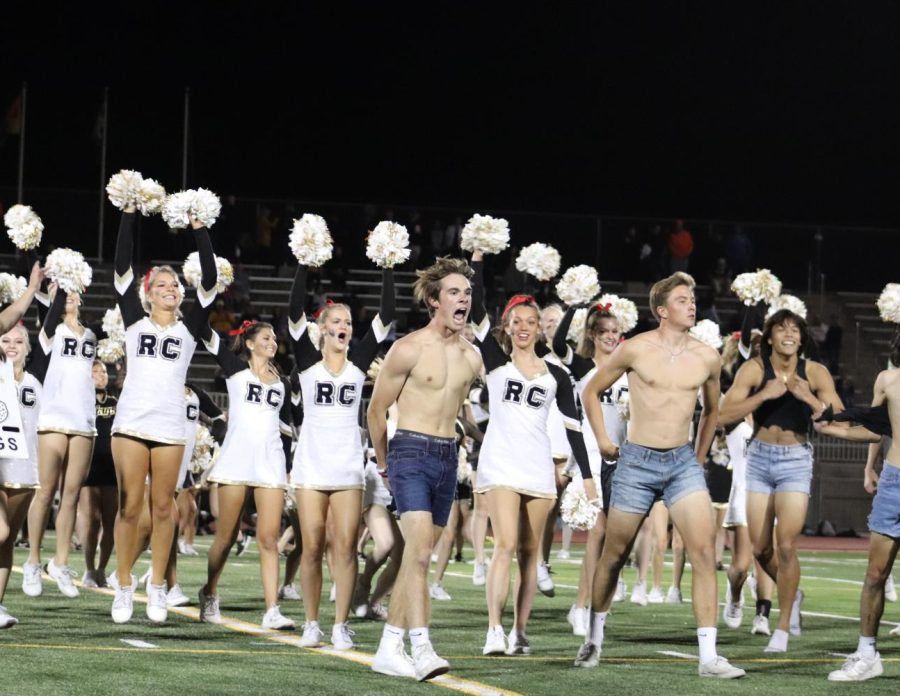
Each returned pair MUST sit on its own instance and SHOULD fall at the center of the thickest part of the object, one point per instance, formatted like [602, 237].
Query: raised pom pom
[192, 273]
[11, 287]
[151, 196]
[204, 449]
[762, 286]
[110, 351]
[69, 270]
[24, 227]
[707, 331]
[205, 207]
[576, 328]
[540, 260]
[788, 302]
[486, 234]
[388, 244]
[315, 334]
[578, 285]
[624, 310]
[575, 508]
[623, 405]
[112, 324]
[176, 209]
[889, 303]
[310, 240]
[124, 188]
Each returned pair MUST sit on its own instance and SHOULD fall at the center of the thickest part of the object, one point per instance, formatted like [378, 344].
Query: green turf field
[63, 646]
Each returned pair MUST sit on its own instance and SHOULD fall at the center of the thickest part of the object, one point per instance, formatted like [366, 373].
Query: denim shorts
[643, 476]
[422, 472]
[778, 468]
[885, 516]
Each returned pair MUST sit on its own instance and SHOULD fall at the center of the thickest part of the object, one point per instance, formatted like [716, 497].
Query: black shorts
[718, 480]
[102, 472]
[606, 478]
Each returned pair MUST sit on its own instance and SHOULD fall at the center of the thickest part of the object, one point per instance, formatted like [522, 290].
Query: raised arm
[53, 318]
[11, 314]
[738, 401]
[305, 353]
[123, 277]
[398, 364]
[285, 422]
[230, 363]
[491, 352]
[197, 317]
[706, 429]
[364, 353]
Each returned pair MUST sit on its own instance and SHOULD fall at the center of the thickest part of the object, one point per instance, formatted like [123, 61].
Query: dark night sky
[782, 113]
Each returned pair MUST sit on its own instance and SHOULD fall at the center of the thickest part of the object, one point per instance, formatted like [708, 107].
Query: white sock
[598, 621]
[394, 632]
[866, 646]
[779, 639]
[706, 639]
[419, 636]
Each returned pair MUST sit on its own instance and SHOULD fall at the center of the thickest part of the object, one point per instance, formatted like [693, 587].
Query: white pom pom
[124, 188]
[707, 331]
[310, 240]
[623, 405]
[11, 287]
[762, 286]
[576, 328]
[575, 509]
[463, 468]
[24, 227]
[485, 234]
[578, 285]
[69, 270]
[889, 303]
[176, 209]
[205, 207]
[388, 244]
[374, 368]
[788, 302]
[540, 260]
[112, 324]
[314, 333]
[192, 272]
[204, 448]
[110, 351]
[151, 196]
[624, 310]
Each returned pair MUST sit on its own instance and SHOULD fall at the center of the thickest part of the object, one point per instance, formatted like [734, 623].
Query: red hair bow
[147, 280]
[603, 307]
[242, 329]
[517, 300]
[321, 309]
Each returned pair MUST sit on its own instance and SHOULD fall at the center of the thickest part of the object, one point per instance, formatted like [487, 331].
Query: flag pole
[21, 192]
[184, 151]
[102, 206]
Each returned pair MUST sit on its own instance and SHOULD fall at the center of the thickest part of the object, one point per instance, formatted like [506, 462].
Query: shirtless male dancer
[428, 374]
[666, 368]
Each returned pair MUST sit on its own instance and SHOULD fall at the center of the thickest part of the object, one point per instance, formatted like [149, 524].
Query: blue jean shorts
[644, 475]
[885, 516]
[778, 468]
[422, 471]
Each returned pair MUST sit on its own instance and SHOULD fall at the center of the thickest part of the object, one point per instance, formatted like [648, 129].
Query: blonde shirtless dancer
[428, 374]
[666, 368]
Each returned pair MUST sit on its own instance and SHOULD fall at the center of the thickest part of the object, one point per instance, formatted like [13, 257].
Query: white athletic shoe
[563, 555]
[289, 592]
[656, 596]
[274, 620]
[31, 579]
[720, 668]
[209, 608]
[176, 597]
[332, 593]
[858, 668]
[186, 549]
[123, 602]
[63, 576]
[479, 574]
[890, 592]
[157, 610]
[588, 655]
[732, 612]
[518, 643]
[796, 627]
[438, 592]
[7, 619]
[639, 594]
[621, 591]
[88, 579]
[427, 663]
[895, 631]
[377, 612]
[341, 637]
[544, 581]
[760, 626]
[495, 642]
[312, 635]
[673, 596]
[391, 659]
[578, 620]
[751, 583]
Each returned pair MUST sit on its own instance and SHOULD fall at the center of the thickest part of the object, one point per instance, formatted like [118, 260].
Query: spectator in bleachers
[221, 318]
[653, 256]
[266, 224]
[681, 246]
[720, 278]
[832, 345]
[739, 251]
[437, 239]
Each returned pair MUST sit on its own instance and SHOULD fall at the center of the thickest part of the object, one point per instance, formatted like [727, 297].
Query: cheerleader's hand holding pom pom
[485, 234]
[310, 240]
[388, 244]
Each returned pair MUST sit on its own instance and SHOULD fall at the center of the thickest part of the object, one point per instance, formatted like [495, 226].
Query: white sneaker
[289, 592]
[578, 620]
[563, 555]
[87, 580]
[858, 668]
[376, 612]
[673, 596]
[890, 592]
[7, 619]
[176, 597]
[588, 655]
[495, 642]
[544, 581]
[157, 610]
[656, 596]
[427, 663]
[31, 580]
[312, 635]
[732, 612]
[639, 594]
[186, 549]
[332, 593]
[760, 626]
[518, 643]
[391, 659]
[796, 627]
[63, 576]
[123, 602]
[621, 591]
[438, 592]
[209, 608]
[479, 574]
[895, 631]
[274, 620]
[341, 637]
[720, 668]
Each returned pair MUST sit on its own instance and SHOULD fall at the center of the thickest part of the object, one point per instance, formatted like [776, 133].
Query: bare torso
[892, 397]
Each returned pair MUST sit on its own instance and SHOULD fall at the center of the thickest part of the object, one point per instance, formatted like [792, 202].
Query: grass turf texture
[71, 646]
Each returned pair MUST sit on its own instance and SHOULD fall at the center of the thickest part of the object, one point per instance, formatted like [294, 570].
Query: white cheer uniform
[191, 421]
[69, 405]
[23, 473]
[556, 427]
[616, 426]
[736, 514]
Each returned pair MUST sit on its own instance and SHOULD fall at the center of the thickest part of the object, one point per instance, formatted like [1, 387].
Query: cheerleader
[516, 470]
[601, 337]
[329, 461]
[253, 458]
[148, 430]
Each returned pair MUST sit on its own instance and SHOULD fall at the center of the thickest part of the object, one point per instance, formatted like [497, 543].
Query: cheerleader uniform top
[23, 473]
[329, 454]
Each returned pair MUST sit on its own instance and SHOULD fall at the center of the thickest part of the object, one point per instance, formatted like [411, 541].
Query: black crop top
[787, 411]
